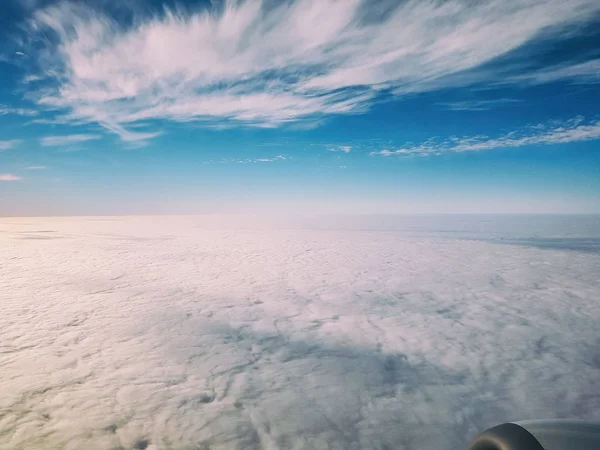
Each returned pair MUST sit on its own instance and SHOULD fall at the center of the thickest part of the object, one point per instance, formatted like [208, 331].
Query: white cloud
[341, 148]
[32, 78]
[264, 65]
[586, 72]
[478, 105]
[275, 158]
[9, 177]
[574, 130]
[36, 168]
[341, 333]
[248, 160]
[7, 145]
[57, 141]
[134, 137]
[5, 110]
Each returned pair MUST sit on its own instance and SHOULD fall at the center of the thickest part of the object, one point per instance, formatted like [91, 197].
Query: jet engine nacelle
[540, 435]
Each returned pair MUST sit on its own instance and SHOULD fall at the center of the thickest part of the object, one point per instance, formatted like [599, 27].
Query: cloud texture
[268, 63]
[190, 333]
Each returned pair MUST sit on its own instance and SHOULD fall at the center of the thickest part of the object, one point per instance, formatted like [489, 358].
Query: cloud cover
[265, 64]
[164, 333]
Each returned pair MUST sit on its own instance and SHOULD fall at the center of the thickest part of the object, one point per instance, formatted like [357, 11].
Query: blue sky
[303, 106]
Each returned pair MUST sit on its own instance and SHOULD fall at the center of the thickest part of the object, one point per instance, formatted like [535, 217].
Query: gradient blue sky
[309, 106]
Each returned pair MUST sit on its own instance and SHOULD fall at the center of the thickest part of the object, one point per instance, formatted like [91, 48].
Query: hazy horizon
[306, 215]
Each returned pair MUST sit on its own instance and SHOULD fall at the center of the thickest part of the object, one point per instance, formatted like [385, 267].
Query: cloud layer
[263, 65]
[574, 130]
[187, 333]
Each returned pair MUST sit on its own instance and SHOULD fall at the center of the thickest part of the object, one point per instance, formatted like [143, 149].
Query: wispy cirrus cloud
[7, 145]
[5, 110]
[37, 168]
[585, 72]
[9, 177]
[248, 160]
[478, 105]
[58, 141]
[273, 159]
[265, 64]
[574, 130]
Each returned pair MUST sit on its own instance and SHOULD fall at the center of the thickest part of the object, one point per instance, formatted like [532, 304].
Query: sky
[299, 106]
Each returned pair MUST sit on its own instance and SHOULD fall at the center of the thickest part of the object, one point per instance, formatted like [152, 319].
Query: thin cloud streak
[479, 105]
[7, 145]
[57, 141]
[248, 160]
[36, 168]
[9, 177]
[6, 110]
[266, 66]
[276, 158]
[341, 148]
[574, 130]
[586, 72]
